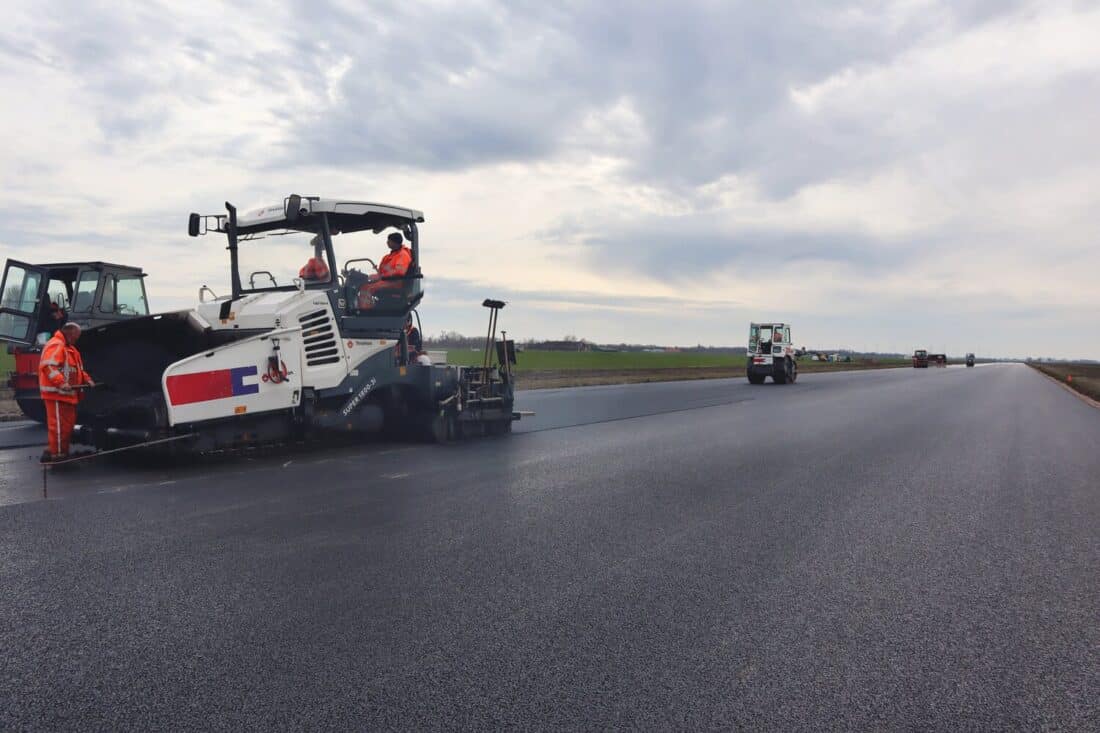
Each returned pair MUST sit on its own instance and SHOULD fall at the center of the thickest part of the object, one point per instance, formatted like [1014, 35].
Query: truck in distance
[920, 359]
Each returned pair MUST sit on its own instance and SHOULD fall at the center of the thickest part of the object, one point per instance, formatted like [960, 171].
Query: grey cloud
[122, 59]
[686, 247]
[710, 82]
[452, 86]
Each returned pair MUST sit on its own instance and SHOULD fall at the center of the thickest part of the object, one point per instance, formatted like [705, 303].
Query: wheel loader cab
[36, 300]
[89, 293]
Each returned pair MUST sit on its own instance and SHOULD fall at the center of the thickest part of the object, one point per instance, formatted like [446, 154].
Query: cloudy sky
[883, 175]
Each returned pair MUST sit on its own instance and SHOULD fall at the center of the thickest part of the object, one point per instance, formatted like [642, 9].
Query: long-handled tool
[99, 454]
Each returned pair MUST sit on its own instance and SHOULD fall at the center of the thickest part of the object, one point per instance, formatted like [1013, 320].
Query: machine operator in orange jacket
[395, 264]
[61, 376]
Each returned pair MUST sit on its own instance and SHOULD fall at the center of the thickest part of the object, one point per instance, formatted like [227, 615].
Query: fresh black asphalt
[896, 549]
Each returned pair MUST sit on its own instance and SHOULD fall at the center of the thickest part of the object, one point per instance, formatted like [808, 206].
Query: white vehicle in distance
[771, 354]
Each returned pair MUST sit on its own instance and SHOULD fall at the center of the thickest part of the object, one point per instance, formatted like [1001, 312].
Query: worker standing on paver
[61, 376]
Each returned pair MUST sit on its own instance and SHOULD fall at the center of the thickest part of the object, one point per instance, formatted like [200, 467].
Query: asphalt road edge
[1079, 395]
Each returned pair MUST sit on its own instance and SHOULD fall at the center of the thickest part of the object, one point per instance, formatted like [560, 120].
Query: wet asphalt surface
[897, 549]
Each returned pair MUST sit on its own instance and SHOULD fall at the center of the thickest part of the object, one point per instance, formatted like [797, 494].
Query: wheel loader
[771, 354]
[37, 299]
[292, 354]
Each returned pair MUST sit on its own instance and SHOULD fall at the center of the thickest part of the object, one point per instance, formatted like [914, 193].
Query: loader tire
[756, 378]
[793, 374]
[785, 375]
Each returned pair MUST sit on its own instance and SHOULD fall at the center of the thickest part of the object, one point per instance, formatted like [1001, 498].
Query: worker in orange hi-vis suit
[395, 264]
[315, 270]
[60, 376]
[399, 259]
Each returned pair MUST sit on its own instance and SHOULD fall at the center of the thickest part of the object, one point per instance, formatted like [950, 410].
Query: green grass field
[565, 360]
[561, 360]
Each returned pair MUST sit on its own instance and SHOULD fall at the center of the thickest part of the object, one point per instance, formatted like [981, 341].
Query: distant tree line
[569, 342]
[454, 340]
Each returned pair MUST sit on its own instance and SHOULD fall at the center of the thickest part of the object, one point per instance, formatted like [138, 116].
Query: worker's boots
[48, 457]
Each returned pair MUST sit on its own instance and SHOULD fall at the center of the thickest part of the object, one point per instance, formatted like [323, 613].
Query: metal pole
[414, 239]
[231, 233]
[493, 340]
[488, 342]
[330, 250]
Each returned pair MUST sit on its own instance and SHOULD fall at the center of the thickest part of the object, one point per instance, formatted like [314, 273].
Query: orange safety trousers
[60, 419]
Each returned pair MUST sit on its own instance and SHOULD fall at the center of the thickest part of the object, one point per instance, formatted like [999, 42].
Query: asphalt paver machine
[291, 355]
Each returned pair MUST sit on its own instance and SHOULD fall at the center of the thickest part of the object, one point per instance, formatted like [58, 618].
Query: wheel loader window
[20, 294]
[130, 296]
[59, 293]
[107, 300]
[85, 292]
[764, 340]
[21, 289]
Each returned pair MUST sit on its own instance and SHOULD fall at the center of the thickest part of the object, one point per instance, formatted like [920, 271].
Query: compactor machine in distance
[292, 354]
[36, 300]
[771, 354]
